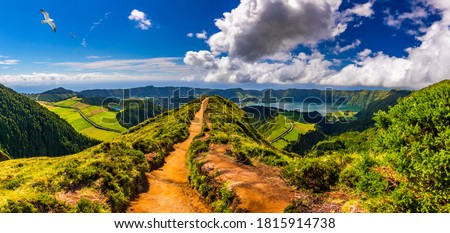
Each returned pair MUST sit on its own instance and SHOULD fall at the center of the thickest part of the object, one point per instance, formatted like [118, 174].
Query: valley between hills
[63, 151]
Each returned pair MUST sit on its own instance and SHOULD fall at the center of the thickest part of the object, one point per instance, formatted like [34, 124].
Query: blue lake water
[323, 109]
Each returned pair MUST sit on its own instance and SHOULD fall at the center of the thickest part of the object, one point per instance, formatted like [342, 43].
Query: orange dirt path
[259, 187]
[169, 190]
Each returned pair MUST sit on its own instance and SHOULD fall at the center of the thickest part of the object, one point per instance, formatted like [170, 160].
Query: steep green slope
[27, 129]
[104, 178]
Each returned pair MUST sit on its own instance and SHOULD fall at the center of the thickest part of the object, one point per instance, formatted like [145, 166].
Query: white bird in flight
[48, 20]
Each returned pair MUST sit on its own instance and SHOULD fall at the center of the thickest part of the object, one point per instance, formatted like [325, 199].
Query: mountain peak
[58, 91]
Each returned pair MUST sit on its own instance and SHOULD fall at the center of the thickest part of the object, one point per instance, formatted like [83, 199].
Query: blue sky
[256, 44]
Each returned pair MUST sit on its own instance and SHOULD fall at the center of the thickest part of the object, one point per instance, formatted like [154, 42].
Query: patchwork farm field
[299, 129]
[67, 110]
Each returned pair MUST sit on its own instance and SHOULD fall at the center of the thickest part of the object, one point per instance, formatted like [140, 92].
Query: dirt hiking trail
[259, 187]
[169, 190]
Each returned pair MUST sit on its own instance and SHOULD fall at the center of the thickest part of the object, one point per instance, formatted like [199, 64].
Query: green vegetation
[229, 126]
[104, 178]
[400, 165]
[397, 161]
[112, 172]
[318, 174]
[157, 135]
[55, 95]
[217, 195]
[27, 129]
[273, 123]
[4, 156]
[81, 125]
[98, 114]
[245, 141]
[415, 135]
[363, 119]
[360, 98]
[137, 111]
[101, 116]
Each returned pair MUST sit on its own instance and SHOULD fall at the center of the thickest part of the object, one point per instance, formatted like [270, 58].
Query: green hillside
[363, 119]
[79, 124]
[27, 129]
[400, 165]
[101, 116]
[228, 127]
[137, 111]
[55, 95]
[273, 123]
[100, 179]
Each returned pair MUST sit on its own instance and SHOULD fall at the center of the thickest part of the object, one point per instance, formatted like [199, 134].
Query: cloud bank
[257, 39]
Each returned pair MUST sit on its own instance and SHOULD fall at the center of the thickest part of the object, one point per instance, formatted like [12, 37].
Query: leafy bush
[88, 206]
[318, 174]
[42, 203]
[225, 200]
[416, 134]
[305, 142]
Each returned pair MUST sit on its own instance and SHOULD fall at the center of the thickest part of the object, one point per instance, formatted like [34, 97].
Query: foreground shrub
[318, 174]
[42, 203]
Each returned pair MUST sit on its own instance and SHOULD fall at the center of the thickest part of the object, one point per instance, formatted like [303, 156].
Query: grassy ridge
[227, 117]
[229, 126]
[104, 178]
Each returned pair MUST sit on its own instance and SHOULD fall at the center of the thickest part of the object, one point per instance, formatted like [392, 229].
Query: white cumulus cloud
[202, 35]
[364, 54]
[141, 18]
[364, 10]
[257, 30]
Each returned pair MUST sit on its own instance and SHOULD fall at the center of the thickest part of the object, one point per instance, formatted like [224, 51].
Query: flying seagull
[73, 36]
[48, 20]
